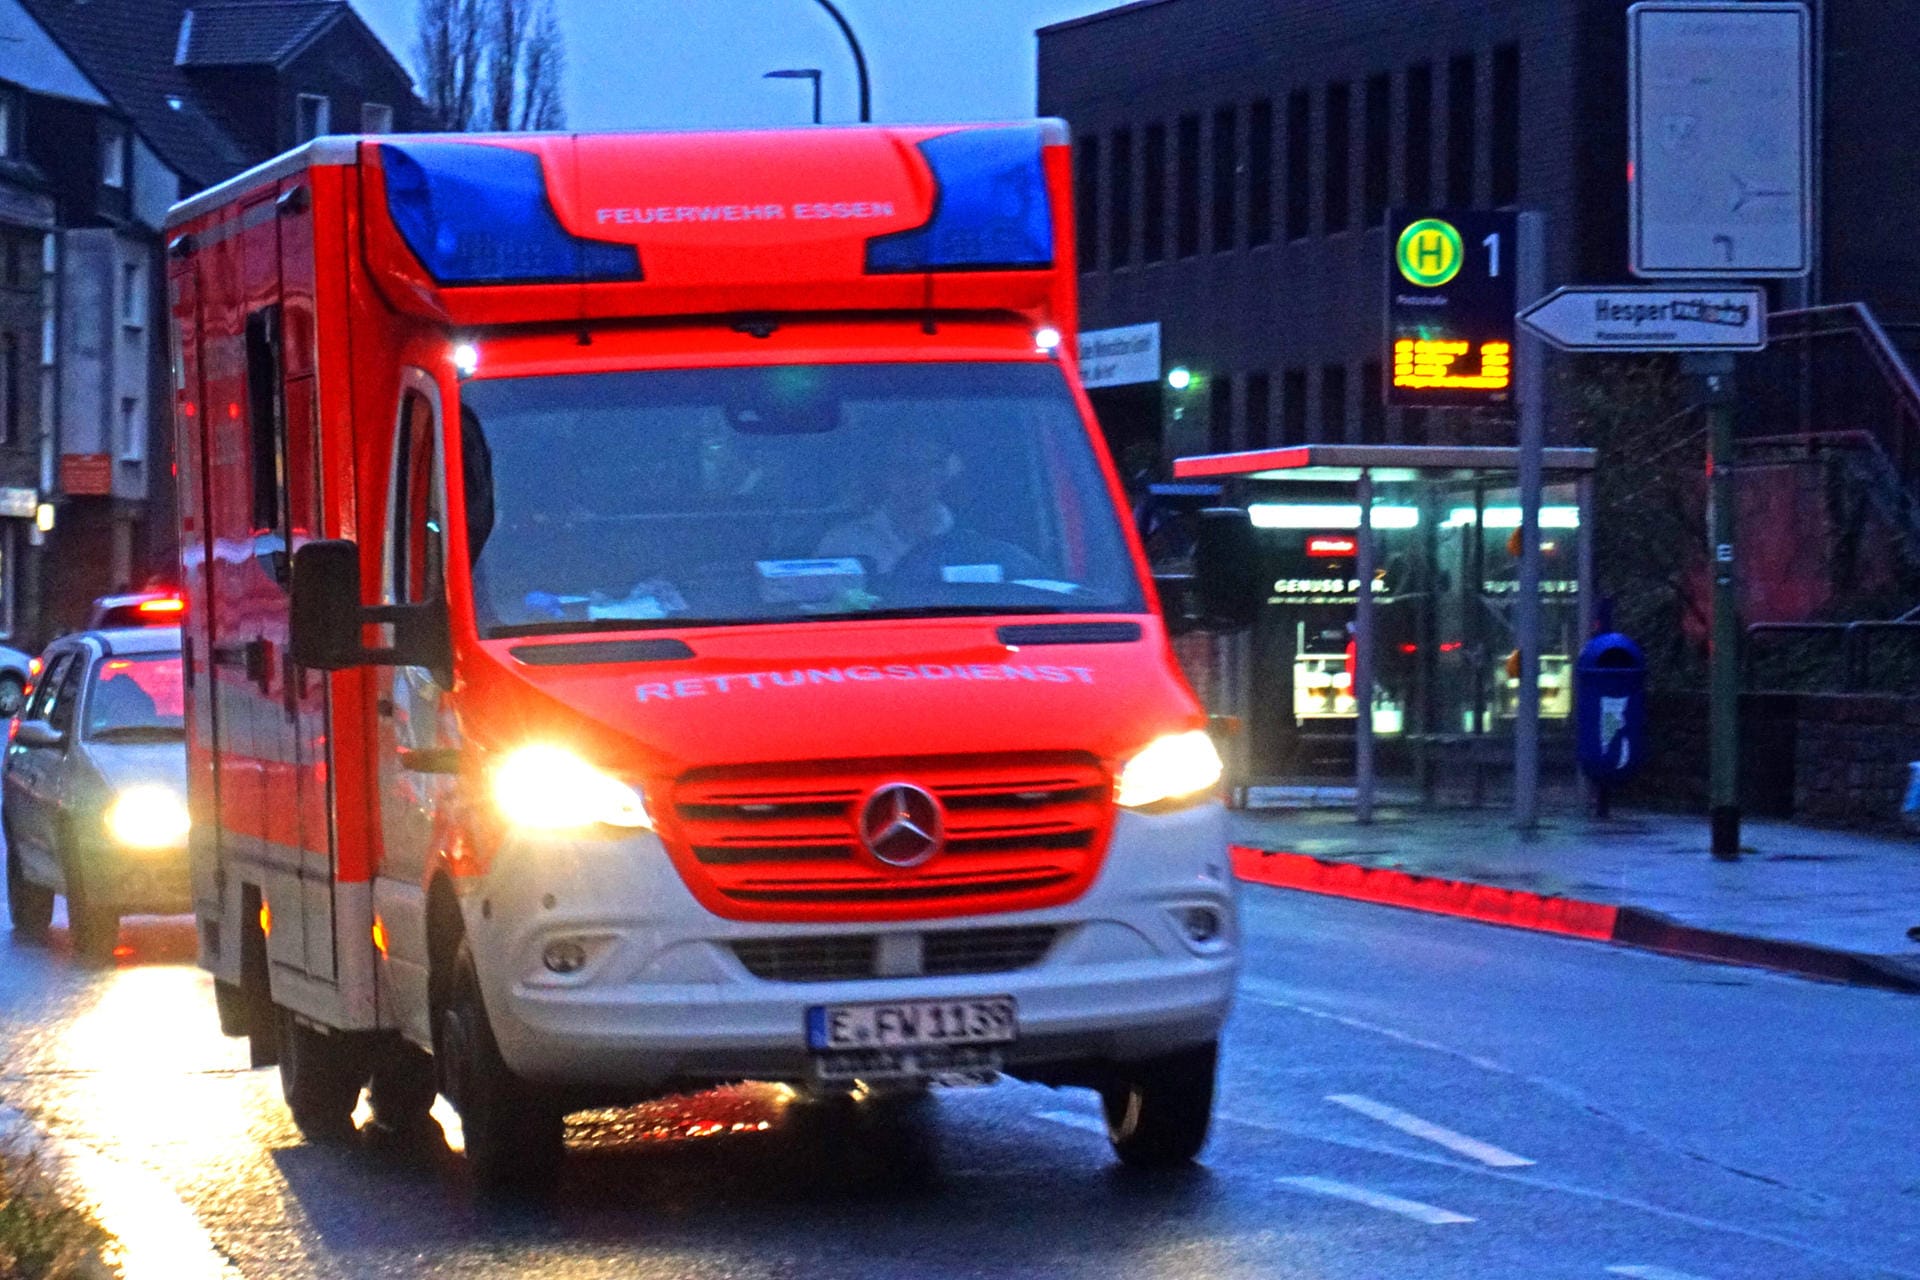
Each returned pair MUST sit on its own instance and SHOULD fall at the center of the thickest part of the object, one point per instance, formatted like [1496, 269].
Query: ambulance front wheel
[515, 1134]
[1158, 1111]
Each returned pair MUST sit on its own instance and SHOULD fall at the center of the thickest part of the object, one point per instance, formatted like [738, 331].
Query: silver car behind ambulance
[95, 787]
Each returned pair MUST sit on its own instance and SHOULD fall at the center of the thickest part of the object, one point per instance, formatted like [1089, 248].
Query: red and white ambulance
[660, 613]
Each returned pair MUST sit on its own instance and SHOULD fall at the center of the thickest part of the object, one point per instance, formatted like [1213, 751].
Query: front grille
[943, 953]
[808, 959]
[986, 950]
[781, 842]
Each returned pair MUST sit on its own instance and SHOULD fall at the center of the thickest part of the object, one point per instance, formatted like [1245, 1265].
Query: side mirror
[328, 617]
[38, 733]
[325, 627]
[1176, 602]
[1227, 584]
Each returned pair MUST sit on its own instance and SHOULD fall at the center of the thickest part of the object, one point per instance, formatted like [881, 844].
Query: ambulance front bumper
[1143, 963]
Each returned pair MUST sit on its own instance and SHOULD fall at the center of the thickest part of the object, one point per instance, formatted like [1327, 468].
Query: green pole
[1716, 375]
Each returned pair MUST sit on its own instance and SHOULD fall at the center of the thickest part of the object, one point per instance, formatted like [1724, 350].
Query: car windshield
[691, 496]
[136, 696]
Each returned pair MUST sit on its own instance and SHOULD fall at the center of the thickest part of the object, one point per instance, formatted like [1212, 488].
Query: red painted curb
[1543, 913]
[1486, 903]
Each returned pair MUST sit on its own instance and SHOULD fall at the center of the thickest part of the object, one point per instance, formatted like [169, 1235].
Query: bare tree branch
[541, 69]
[506, 29]
[490, 64]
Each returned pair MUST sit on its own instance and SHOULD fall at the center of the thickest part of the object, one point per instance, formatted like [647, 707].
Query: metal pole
[1716, 375]
[1530, 404]
[1589, 608]
[1363, 654]
[859, 58]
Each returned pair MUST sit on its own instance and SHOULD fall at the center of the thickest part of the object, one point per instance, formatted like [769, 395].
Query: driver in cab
[912, 535]
[914, 470]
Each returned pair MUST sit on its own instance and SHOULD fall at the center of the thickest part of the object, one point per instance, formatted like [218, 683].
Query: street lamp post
[801, 73]
[859, 58]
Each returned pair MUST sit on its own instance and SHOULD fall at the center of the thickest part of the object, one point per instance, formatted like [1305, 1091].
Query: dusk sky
[683, 63]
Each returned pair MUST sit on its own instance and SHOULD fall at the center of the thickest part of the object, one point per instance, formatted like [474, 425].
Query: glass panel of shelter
[1445, 583]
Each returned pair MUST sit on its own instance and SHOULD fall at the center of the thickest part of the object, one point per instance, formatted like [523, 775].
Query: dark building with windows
[1235, 159]
[110, 111]
[1234, 163]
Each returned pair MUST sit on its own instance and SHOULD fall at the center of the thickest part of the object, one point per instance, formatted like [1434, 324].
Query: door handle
[255, 657]
[293, 684]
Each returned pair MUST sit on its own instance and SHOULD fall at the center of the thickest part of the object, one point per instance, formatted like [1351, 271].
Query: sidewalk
[1826, 904]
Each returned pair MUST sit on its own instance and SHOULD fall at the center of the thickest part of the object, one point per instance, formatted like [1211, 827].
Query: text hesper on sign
[1649, 318]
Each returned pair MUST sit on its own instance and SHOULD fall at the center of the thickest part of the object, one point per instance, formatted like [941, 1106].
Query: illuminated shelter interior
[1445, 529]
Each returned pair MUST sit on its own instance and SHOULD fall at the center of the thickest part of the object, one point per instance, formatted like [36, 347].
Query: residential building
[114, 110]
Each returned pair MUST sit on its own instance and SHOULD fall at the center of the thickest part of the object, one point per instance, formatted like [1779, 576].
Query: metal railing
[1833, 375]
[1841, 653]
[1835, 380]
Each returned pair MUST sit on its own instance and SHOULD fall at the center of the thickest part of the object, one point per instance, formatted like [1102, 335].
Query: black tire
[401, 1090]
[13, 695]
[320, 1077]
[93, 926]
[29, 906]
[515, 1133]
[1158, 1110]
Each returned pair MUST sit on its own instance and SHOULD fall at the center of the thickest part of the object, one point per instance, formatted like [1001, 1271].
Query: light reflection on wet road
[1564, 1052]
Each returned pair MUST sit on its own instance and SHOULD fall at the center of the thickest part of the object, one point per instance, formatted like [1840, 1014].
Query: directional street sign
[1720, 138]
[1645, 318]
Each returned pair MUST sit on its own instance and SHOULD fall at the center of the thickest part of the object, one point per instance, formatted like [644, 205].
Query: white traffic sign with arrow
[1644, 318]
[1720, 138]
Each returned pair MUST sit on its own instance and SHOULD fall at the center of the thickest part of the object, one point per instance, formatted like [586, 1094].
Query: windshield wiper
[937, 611]
[574, 626]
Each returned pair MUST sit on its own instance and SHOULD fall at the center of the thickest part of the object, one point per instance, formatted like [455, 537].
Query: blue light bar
[990, 207]
[474, 213]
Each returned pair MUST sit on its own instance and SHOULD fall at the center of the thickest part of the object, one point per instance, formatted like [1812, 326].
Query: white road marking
[1265, 991]
[1074, 1121]
[1485, 1152]
[1559, 1187]
[1426, 1213]
[1650, 1273]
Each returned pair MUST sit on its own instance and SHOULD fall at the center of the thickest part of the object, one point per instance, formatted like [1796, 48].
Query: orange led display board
[1450, 305]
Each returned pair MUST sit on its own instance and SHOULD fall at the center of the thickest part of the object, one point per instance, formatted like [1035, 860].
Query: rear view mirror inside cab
[789, 400]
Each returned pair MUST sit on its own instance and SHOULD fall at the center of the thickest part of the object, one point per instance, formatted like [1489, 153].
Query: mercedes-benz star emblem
[901, 824]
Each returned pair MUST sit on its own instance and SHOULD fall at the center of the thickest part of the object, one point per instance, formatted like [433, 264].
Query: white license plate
[903, 1024]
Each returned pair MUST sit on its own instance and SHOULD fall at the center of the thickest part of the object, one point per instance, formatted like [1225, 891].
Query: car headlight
[1178, 766]
[550, 789]
[148, 817]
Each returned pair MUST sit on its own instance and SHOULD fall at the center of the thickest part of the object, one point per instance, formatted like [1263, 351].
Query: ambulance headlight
[1179, 766]
[548, 788]
[147, 817]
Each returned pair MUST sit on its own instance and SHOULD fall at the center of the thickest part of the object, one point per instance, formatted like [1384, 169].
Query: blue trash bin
[1610, 708]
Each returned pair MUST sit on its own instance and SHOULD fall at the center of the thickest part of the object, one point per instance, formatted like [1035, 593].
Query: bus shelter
[1393, 575]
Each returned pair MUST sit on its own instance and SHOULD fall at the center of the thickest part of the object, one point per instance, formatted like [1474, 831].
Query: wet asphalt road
[1600, 1113]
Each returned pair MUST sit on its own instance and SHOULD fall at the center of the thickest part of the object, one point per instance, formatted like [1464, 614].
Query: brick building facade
[110, 111]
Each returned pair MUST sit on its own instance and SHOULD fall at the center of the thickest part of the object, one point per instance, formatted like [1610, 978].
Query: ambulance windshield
[687, 497]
